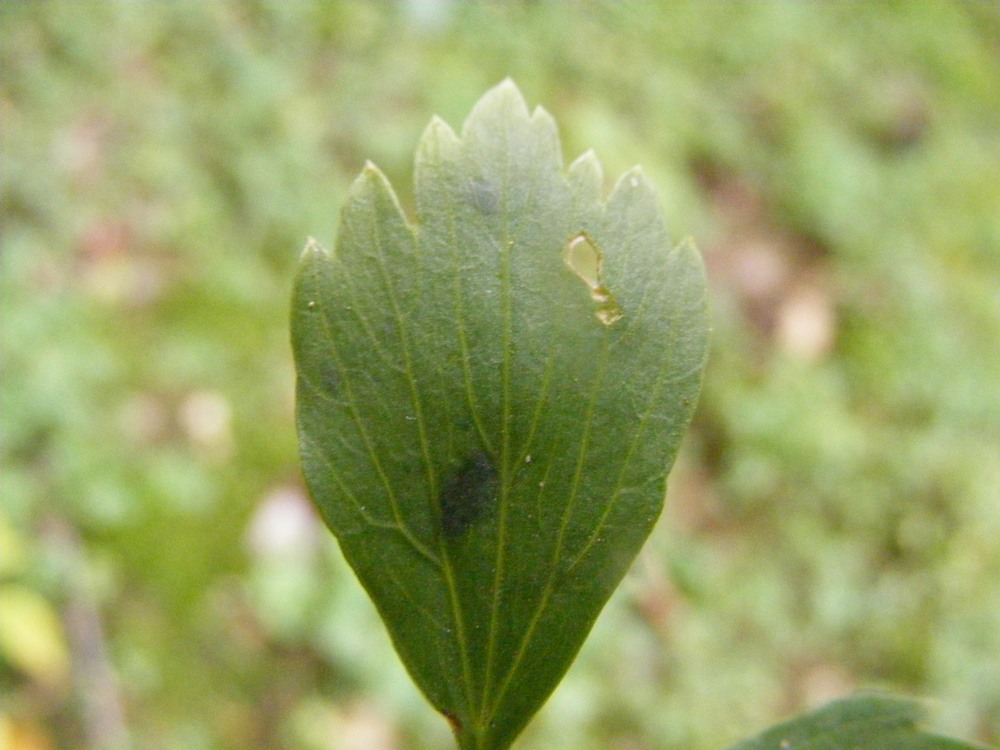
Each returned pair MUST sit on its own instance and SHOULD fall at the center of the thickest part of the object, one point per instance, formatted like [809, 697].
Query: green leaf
[860, 722]
[489, 401]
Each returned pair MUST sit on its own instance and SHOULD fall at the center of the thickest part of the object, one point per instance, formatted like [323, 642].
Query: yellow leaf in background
[12, 551]
[22, 735]
[31, 635]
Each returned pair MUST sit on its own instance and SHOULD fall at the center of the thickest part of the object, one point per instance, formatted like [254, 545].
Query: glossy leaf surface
[489, 400]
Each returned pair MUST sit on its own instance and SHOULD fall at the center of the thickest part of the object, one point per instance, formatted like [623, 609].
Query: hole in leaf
[585, 260]
[609, 313]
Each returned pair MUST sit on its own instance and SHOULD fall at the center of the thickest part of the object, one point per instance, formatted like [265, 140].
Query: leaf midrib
[506, 312]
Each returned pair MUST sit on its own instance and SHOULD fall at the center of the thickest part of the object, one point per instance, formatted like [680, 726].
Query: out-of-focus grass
[833, 522]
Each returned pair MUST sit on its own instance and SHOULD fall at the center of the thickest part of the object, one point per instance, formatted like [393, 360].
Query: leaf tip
[634, 183]
[636, 177]
[510, 92]
[508, 85]
[437, 123]
[505, 96]
[586, 170]
[371, 186]
[437, 137]
[689, 253]
[313, 249]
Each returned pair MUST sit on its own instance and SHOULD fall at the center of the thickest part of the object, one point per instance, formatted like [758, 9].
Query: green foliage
[860, 722]
[832, 516]
[486, 414]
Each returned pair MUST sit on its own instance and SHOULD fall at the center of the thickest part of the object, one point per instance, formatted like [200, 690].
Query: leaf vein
[366, 438]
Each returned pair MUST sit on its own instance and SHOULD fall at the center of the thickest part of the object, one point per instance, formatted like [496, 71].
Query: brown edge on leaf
[456, 725]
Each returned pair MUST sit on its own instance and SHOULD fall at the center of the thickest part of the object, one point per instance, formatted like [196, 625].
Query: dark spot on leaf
[468, 495]
[331, 380]
[486, 196]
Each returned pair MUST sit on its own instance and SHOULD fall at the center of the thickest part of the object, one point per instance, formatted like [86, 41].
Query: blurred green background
[833, 521]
